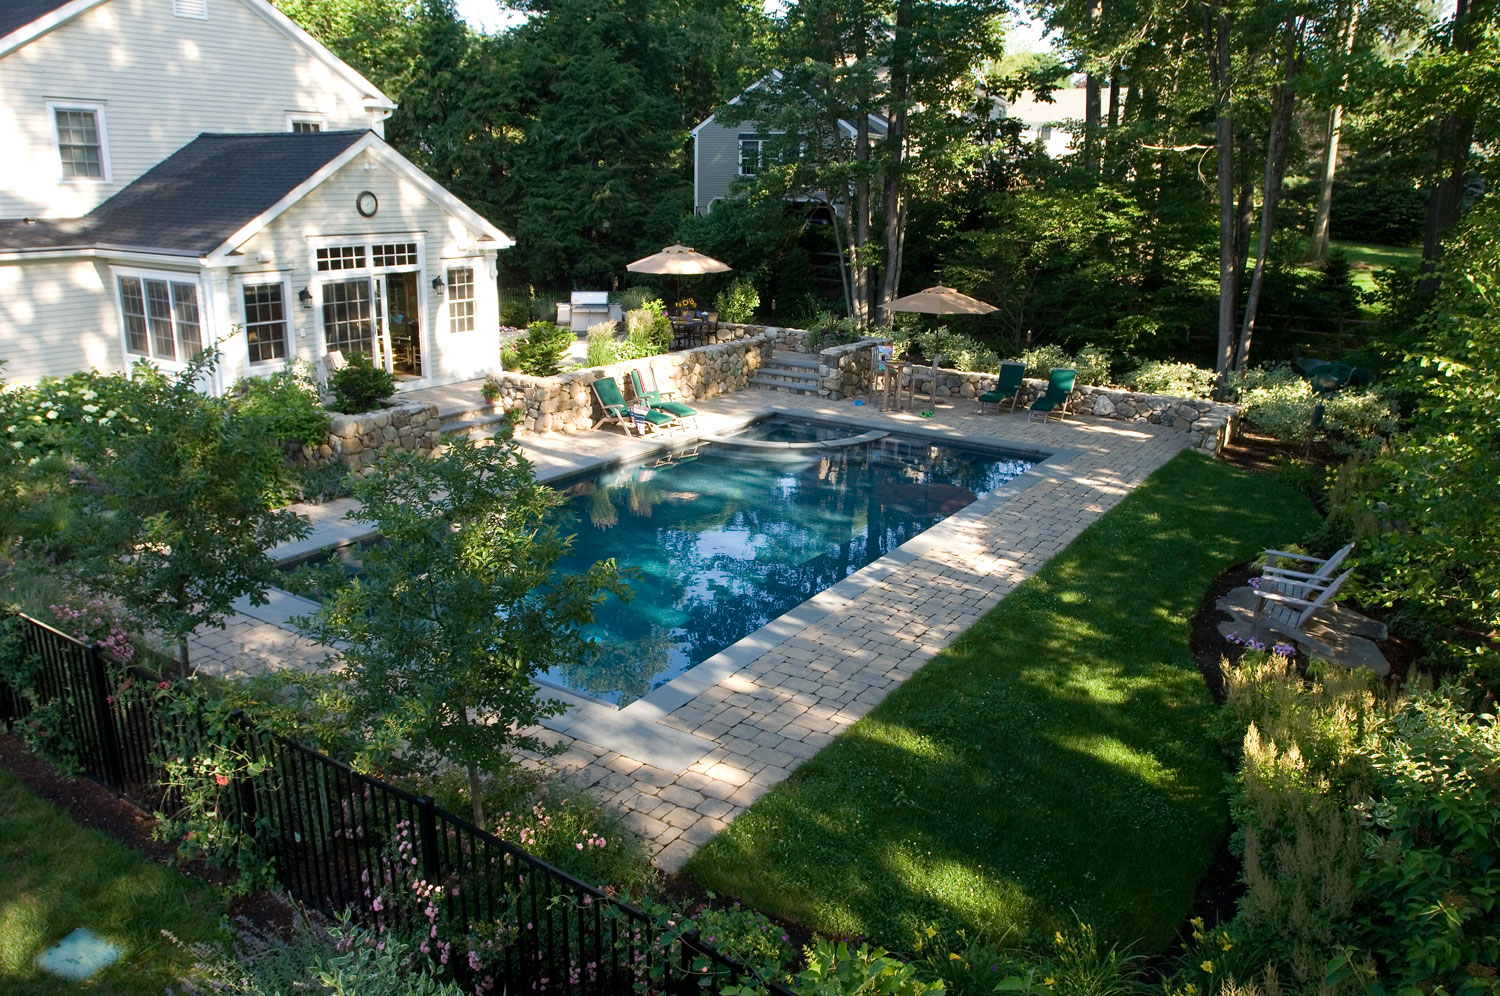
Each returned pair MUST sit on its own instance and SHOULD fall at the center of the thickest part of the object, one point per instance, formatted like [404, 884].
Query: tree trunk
[1283, 103]
[862, 205]
[182, 653]
[1455, 137]
[1091, 157]
[895, 164]
[476, 796]
[1216, 32]
[1317, 245]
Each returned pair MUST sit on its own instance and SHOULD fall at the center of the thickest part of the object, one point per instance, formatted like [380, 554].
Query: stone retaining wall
[845, 370]
[353, 440]
[564, 403]
[1209, 423]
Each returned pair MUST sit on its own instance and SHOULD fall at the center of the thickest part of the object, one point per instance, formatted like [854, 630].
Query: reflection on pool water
[725, 538]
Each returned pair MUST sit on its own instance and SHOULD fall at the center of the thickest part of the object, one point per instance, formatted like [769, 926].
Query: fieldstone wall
[564, 403]
[794, 340]
[845, 370]
[1210, 424]
[354, 440]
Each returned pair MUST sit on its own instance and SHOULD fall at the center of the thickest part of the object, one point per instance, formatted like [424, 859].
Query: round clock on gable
[366, 203]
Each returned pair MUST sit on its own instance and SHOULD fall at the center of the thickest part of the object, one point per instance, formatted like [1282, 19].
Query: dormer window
[78, 131]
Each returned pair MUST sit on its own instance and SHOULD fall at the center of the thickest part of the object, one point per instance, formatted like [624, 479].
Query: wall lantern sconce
[437, 284]
[305, 296]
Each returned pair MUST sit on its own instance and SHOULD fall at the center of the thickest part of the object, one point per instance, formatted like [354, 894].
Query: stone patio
[685, 760]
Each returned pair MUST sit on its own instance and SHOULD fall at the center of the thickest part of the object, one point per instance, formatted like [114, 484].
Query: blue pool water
[726, 538]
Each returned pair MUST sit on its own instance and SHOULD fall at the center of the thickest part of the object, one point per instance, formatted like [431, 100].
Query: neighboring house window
[461, 299]
[81, 148]
[266, 328]
[1044, 133]
[161, 318]
[749, 155]
[190, 8]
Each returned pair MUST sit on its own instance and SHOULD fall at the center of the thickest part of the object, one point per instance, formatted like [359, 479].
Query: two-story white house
[178, 173]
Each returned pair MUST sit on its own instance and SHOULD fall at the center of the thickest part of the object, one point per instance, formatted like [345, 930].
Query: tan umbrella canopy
[941, 300]
[677, 260]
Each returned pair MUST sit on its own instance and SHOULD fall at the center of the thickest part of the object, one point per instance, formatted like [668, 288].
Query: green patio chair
[660, 401]
[1012, 374]
[1059, 390]
[640, 420]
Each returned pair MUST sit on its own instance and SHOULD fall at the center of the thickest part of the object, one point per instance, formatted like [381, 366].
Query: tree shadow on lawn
[1033, 769]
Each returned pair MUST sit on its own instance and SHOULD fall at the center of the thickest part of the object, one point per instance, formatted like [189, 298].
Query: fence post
[427, 831]
[110, 749]
[685, 982]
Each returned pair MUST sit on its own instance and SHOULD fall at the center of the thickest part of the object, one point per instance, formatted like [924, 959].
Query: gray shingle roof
[16, 14]
[194, 200]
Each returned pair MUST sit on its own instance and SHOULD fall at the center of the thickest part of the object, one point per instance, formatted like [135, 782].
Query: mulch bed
[92, 805]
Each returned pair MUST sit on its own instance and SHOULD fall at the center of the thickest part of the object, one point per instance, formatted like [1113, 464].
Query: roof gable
[24, 21]
[877, 122]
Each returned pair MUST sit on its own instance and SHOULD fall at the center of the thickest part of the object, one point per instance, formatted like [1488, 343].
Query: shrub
[648, 329]
[1093, 365]
[954, 350]
[1281, 404]
[516, 312]
[747, 936]
[834, 969]
[510, 357]
[540, 353]
[1178, 380]
[635, 298]
[1041, 359]
[603, 348]
[826, 330]
[288, 401]
[737, 302]
[360, 386]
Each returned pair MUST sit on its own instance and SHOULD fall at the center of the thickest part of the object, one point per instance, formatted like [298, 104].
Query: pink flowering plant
[95, 621]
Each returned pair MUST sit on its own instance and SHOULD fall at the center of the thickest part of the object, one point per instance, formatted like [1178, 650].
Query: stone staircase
[478, 422]
[795, 373]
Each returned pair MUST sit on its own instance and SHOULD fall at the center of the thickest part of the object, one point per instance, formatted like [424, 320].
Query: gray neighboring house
[186, 172]
[724, 154]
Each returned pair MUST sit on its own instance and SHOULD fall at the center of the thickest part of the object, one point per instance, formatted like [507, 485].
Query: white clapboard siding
[328, 212]
[163, 80]
[57, 316]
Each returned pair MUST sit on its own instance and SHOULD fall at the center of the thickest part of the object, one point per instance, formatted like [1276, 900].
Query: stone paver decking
[683, 764]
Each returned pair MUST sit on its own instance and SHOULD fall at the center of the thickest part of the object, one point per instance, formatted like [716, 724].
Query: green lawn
[56, 876]
[1055, 759]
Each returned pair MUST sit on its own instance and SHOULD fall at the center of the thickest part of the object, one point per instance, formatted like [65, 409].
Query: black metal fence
[341, 840]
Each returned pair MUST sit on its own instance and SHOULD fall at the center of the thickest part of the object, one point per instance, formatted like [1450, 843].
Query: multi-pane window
[749, 155]
[341, 258]
[346, 316]
[161, 318]
[461, 299]
[306, 126]
[395, 254]
[79, 145]
[266, 322]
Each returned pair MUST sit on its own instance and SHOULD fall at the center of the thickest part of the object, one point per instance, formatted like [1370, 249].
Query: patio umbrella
[677, 261]
[941, 300]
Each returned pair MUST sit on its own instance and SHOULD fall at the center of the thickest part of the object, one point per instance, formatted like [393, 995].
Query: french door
[378, 316]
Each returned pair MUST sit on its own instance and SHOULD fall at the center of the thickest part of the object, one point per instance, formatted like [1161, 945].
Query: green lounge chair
[617, 409]
[662, 402]
[1008, 389]
[1059, 389]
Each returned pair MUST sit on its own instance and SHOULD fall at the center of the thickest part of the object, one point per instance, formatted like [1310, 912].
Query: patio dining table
[688, 332]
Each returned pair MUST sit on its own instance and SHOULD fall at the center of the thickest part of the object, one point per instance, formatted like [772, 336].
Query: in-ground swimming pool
[730, 534]
[727, 537]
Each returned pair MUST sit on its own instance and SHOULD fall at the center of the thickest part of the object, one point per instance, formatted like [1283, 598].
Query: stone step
[794, 360]
[481, 425]
[462, 414]
[789, 373]
[792, 387]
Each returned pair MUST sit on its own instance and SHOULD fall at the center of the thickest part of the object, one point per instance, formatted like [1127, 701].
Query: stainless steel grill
[587, 308]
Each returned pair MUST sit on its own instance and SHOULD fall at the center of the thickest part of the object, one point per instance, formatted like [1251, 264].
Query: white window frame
[294, 118]
[289, 306]
[170, 277]
[97, 108]
[760, 142]
[475, 268]
[320, 277]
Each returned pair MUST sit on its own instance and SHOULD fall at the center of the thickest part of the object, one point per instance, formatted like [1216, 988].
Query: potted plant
[490, 389]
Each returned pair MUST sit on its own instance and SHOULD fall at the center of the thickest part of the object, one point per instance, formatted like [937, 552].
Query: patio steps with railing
[791, 372]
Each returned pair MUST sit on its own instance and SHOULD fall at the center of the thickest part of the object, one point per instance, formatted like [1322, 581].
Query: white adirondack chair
[1288, 614]
[1315, 572]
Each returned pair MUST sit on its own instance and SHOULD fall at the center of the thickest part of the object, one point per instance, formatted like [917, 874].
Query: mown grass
[1055, 760]
[56, 876]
